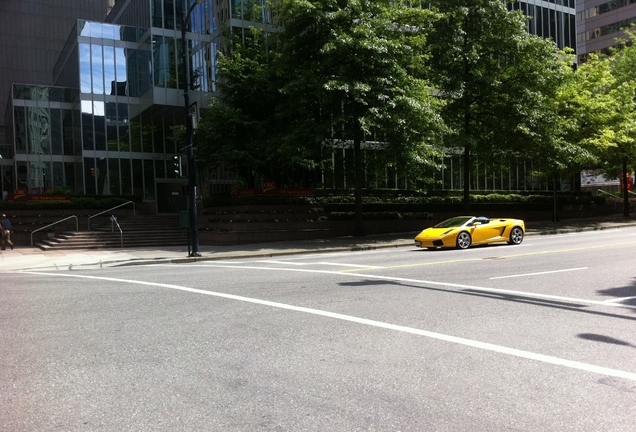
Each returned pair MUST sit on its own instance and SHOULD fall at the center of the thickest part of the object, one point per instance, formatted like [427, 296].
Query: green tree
[239, 126]
[356, 72]
[603, 105]
[562, 124]
[617, 138]
[494, 79]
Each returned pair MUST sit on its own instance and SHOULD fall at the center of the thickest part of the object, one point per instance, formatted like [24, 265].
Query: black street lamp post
[185, 56]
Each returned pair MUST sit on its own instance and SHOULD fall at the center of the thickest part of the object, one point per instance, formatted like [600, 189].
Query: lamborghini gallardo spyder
[463, 231]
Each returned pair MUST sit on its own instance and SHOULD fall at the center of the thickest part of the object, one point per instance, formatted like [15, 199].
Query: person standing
[5, 224]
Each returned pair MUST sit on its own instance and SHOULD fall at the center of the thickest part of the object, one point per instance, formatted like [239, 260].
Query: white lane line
[379, 324]
[539, 273]
[347, 265]
[573, 300]
[316, 263]
[619, 300]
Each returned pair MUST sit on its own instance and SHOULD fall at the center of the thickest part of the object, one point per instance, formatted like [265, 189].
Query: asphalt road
[536, 337]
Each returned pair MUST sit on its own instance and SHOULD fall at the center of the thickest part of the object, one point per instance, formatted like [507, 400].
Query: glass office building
[554, 19]
[600, 23]
[106, 126]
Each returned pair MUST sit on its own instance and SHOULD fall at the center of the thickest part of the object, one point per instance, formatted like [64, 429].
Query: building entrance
[171, 197]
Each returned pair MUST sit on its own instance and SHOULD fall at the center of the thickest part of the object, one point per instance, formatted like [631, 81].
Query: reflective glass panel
[90, 176]
[113, 176]
[56, 131]
[19, 117]
[57, 175]
[85, 68]
[109, 70]
[160, 56]
[39, 130]
[149, 180]
[171, 72]
[87, 125]
[98, 69]
[120, 67]
[138, 178]
[156, 13]
[99, 120]
[111, 137]
[126, 178]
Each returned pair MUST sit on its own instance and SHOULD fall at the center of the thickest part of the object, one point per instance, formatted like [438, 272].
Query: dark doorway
[171, 197]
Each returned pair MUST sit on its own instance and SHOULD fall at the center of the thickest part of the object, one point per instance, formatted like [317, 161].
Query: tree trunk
[555, 201]
[359, 178]
[625, 190]
[466, 199]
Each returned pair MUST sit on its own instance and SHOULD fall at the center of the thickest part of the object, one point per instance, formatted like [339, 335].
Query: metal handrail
[55, 223]
[618, 199]
[607, 193]
[106, 211]
[113, 222]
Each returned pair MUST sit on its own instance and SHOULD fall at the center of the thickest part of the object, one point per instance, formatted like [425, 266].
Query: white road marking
[379, 324]
[619, 300]
[539, 273]
[316, 263]
[346, 265]
[573, 300]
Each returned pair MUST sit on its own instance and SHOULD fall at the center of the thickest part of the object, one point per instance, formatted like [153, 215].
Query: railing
[618, 201]
[55, 223]
[113, 222]
[607, 193]
[106, 211]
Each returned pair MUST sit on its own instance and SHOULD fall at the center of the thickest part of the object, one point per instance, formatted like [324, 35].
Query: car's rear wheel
[464, 240]
[516, 236]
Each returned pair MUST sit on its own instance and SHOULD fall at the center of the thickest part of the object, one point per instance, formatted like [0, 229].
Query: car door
[483, 232]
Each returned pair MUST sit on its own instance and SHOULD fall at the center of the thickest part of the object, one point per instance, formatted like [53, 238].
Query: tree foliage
[608, 89]
[494, 77]
[356, 73]
[239, 128]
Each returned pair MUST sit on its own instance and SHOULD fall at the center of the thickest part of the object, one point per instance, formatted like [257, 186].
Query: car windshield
[453, 222]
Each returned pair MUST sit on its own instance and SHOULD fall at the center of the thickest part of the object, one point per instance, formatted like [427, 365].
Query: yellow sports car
[463, 231]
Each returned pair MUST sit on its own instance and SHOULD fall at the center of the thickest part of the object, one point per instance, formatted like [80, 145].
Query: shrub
[387, 215]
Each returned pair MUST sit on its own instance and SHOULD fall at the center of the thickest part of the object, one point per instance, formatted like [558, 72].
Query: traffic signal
[176, 165]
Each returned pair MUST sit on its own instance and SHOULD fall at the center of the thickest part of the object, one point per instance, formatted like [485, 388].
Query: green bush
[386, 215]
[82, 202]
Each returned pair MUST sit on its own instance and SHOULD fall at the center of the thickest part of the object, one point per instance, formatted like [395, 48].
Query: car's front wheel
[464, 240]
[516, 236]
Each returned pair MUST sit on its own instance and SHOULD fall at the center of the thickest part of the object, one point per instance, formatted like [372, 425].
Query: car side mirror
[476, 224]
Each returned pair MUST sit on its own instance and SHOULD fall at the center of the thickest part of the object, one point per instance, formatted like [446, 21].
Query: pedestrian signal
[176, 165]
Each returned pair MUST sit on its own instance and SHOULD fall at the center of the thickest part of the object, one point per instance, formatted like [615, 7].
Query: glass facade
[600, 24]
[108, 127]
[554, 19]
[45, 127]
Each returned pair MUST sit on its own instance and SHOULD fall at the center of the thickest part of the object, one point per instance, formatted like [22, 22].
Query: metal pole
[185, 55]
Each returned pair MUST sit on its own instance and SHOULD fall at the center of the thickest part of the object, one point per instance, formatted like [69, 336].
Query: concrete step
[105, 240]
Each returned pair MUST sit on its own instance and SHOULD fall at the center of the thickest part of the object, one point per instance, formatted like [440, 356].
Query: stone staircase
[137, 232]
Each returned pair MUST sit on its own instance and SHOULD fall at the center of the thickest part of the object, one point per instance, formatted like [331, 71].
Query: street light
[185, 56]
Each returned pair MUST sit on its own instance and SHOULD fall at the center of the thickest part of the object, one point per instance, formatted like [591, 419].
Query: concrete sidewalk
[28, 258]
